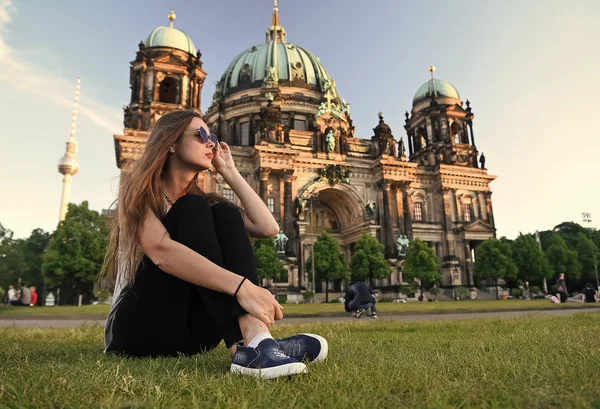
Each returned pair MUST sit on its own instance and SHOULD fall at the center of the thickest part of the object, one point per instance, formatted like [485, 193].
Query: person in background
[12, 295]
[563, 294]
[25, 298]
[589, 294]
[359, 298]
[34, 297]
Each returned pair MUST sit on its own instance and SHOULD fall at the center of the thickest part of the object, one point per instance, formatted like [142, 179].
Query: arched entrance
[338, 210]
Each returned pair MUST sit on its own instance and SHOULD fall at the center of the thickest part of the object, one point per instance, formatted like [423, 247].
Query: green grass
[332, 309]
[528, 362]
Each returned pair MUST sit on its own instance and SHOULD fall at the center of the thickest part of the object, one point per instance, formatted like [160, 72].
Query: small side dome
[170, 37]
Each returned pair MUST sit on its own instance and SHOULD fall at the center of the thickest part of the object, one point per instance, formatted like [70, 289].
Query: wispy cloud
[24, 75]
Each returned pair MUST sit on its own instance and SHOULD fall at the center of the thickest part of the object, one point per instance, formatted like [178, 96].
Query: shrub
[2, 294]
[281, 299]
[385, 299]
[334, 300]
[307, 295]
[554, 289]
[535, 290]
[516, 292]
[101, 295]
[461, 293]
[435, 291]
[408, 290]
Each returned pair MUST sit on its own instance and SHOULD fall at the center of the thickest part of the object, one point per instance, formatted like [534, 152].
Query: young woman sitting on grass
[182, 262]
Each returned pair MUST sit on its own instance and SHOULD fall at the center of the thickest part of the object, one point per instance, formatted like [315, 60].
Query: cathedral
[293, 140]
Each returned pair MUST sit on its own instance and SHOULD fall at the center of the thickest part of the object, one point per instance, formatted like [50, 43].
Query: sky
[529, 69]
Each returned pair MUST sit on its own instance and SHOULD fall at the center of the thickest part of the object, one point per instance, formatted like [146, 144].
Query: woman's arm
[258, 221]
[182, 262]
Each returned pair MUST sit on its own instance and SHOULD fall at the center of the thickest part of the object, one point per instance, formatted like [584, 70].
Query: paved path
[74, 323]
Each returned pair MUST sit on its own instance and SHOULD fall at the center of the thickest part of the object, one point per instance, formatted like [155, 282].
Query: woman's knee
[226, 211]
[192, 202]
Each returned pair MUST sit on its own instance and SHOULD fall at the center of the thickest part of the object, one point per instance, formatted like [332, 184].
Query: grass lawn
[333, 309]
[528, 362]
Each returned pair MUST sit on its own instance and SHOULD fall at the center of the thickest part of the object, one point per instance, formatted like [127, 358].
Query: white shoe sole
[324, 348]
[293, 368]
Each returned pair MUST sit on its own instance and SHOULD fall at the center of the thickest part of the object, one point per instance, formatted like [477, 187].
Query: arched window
[455, 131]
[168, 91]
[419, 208]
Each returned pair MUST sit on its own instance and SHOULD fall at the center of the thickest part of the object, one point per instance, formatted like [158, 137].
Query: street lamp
[312, 198]
[587, 218]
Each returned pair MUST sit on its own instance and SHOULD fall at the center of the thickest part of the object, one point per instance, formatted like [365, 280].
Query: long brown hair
[141, 188]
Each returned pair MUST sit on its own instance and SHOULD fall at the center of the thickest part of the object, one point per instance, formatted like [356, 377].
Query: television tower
[68, 165]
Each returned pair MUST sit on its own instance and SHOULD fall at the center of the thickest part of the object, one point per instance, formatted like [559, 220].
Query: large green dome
[170, 37]
[294, 66]
[435, 88]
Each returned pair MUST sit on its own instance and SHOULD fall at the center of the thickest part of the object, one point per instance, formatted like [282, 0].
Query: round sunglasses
[205, 136]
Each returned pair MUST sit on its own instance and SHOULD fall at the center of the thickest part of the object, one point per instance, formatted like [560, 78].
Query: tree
[560, 257]
[368, 260]
[421, 263]
[494, 261]
[75, 253]
[530, 259]
[329, 262]
[268, 265]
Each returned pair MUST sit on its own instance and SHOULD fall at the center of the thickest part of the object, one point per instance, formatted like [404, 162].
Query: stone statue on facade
[482, 160]
[401, 148]
[300, 205]
[280, 241]
[330, 141]
[402, 244]
[346, 106]
[370, 209]
[271, 77]
[322, 109]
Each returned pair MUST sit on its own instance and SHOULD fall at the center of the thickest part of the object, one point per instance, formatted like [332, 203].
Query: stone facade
[293, 140]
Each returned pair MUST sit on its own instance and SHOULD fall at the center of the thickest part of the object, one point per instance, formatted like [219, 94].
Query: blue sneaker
[267, 360]
[310, 347]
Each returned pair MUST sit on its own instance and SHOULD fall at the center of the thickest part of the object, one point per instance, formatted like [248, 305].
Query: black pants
[161, 315]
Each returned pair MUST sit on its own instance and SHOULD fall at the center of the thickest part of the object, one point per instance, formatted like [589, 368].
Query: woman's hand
[259, 303]
[222, 160]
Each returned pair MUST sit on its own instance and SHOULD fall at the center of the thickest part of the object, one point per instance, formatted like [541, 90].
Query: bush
[333, 301]
[101, 295]
[535, 290]
[461, 293]
[385, 299]
[408, 290]
[516, 292]
[554, 289]
[281, 299]
[435, 291]
[2, 294]
[307, 295]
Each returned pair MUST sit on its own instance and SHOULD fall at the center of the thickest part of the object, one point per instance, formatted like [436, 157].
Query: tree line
[70, 258]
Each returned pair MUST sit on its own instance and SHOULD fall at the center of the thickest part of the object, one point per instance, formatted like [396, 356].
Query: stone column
[459, 217]
[490, 210]
[429, 128]
[400, 209]
[184, 89]
[482, 206]
[251, 130]
[263, 174]
[472, 135]
[446, 219]
[288, 208]
[387, 220]
[468, 264]
[407, 214]
[410, 143]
